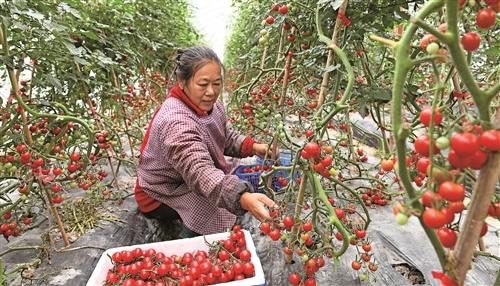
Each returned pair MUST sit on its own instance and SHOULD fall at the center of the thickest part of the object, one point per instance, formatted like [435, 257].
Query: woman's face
[204, 88]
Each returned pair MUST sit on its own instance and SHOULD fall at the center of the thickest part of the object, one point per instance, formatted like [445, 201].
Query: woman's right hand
[257, 204]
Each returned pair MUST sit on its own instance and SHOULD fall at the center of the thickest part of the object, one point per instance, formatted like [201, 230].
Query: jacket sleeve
[188, 154]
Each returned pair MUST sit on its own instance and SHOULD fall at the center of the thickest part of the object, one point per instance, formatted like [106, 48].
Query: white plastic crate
[180, 247]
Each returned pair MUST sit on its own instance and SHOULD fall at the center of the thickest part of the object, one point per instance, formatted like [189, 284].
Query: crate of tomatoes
[251, 173]
[222, 259]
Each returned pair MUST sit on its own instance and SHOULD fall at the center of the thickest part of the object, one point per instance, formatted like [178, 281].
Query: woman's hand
[256, 204]
[260, 149]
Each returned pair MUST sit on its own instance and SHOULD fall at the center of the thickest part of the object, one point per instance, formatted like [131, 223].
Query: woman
[182, 170]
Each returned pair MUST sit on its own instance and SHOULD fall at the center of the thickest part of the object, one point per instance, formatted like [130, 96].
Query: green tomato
[263, 32]
[73, 185]
[305, 258]
[401, 218]
[432, 48]
[7, 165]
[442, 143]
[263, 41]
[363, 277]
[266, 111]
[333, 172]
[282, 135]
[280, 126]
[13, 169]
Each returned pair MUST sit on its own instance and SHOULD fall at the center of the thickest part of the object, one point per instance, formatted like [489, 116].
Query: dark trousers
[167, 215]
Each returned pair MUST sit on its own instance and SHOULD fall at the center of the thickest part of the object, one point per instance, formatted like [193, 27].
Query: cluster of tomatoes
[282, 9]
[318, 162]
[372, 197]
[485, 19]
[279, 179]
[227, 260]
[103, 140]
[278, 229]
[444, 196]
[10, 227]
[307, 243]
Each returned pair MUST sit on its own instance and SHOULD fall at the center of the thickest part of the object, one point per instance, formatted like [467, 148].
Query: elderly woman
[182, 171]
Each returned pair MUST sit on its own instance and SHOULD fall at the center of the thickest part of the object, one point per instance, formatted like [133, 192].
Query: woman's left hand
[260, 149]
[257, 204]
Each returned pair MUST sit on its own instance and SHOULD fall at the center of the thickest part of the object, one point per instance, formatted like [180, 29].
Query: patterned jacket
[183, 166]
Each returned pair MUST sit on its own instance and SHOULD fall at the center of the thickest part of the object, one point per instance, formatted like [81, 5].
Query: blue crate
[253, 178]
[285, 159]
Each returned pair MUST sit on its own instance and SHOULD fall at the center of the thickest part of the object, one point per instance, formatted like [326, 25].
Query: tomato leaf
[331, 68]
[55, 82]
[66, 8]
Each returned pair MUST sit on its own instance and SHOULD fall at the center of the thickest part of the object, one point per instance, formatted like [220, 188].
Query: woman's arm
[189, 155]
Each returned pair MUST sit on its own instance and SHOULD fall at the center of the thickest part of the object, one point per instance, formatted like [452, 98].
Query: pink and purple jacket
[182, 165]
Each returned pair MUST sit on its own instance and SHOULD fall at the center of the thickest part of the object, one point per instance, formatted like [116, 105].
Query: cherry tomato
[387, 165]
[478, 159]
[356, 265]
[313, 150]
[451, 191]
[422, 145]
[485, 18]
[425, 116]
[423, 164]
[464, 143]
[275, 234]
[265, 228]
[245, 255]
[490, 139]
[456, 207]
[433, 218]
[458, 161]
[307, 226]
[294, 278]
[360, 233]
[447, 236]
[288, 222]
[470, 41]
[270, 20]
[484, 229]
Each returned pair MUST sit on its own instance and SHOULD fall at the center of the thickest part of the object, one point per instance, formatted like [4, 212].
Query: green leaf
[81, 61]
[72, 49]
[6, 21]
[52, 26]
[363, 109]
[19, 25]
[91, 35]
[379, 93]
[33, 14]
[66, 8]
[331, 68]
[104, 60]
[493, 51]
[8, 61]
[403, 14]
[57, 84]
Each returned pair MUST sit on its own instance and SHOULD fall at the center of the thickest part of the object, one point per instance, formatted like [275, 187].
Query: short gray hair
[188, 61]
